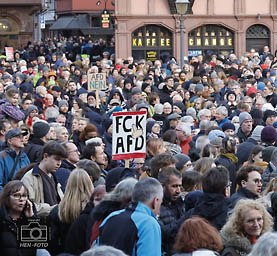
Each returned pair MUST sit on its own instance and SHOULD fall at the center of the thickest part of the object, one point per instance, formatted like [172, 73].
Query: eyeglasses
[74, 151]
[139, 163]
[19, 196]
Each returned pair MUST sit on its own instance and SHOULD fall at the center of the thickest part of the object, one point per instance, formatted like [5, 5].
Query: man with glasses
[12, 158]
[249, 181]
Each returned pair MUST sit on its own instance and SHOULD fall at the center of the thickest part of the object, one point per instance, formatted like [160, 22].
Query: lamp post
[182, 6]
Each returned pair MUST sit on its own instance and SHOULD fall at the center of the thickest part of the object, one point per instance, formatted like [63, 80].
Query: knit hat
[251, 90]
[244, 116]
[256, 134]
[149, 125]
[180, 105]
[144, 86]
[229, 93]
[81, 91]
[214, 75]
[228, 126]
[40, 129]
[216, 141]
[30, 109]
[141, 105]
[261, 86]
[199, 87]
[268, 113]
[181, 160]
[267, 152]
[63, 102]
[136, 90]
[216, 133]
[256, 68]
[269, 135]
[158, 109]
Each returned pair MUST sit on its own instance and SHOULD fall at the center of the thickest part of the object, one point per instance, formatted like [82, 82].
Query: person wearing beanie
[261, 86]
[183, 162]
[246, 125]
[127, 89]
[244, 149]
[269, 136]
[153, 129]
[270, 117]
[271, 170]
[257, 116]
[178, 108]
[41, 135]
[145, 87]
[228, 129]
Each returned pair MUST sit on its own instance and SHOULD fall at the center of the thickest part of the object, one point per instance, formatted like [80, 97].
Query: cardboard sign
[9, 53]
[129, 135]
[97, 81]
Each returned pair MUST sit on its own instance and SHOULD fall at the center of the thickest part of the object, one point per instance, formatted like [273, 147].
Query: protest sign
[9, 53]
[129, 135]
[97, 81]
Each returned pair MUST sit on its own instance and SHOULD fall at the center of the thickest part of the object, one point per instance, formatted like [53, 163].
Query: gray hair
[146, 189]
[201, 142]
[191, 112]
[266, 245]
[185, 128]
[204, 124]
[103, 250]
[51, 112]
[123, 190]
[203, 112]
[223, 110]
[91, 168]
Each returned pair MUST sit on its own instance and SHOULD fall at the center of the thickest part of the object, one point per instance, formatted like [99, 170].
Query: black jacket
[242, 136]
[244, 150]
[242, 193]
[172, 214]
[165, 95]
[34, 150]
[76, 241]
[212, 207]
[8, 233]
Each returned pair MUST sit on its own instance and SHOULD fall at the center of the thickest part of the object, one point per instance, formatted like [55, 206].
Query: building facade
[150, 29]
[18, 22]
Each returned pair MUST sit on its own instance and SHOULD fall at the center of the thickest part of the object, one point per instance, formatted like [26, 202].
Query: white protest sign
[129, 135]
[97, 81]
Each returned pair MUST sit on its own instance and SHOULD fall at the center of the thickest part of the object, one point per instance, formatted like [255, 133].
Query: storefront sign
[210, 41]
[97, 81]
[105, 19]
[151, 41]
[151, 55]
[129, 135]
[194, 53]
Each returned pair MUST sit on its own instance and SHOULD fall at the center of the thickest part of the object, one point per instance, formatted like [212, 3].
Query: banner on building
[129, 135]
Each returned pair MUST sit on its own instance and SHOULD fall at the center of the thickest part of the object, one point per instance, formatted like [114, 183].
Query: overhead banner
[129, 135]
[97, 81]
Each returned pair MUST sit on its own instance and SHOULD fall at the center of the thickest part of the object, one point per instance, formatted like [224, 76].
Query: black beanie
[40, 129]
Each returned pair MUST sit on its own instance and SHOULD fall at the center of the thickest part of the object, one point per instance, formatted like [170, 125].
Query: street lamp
[182, 7]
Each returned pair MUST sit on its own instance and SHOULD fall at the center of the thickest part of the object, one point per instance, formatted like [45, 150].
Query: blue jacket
[7, 160]
[134, 230]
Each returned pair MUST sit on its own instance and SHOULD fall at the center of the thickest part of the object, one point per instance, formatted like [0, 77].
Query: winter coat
[7, 161]
[172, 215]
[212, 207]
[107, 139]
[165, 95]
[33, 181]
[8, 234]
[231, 167]
[34, 150]
[77, 238]
[268, 174]
[59, 230]
[235, 245]
[242, 136]
[242, 193]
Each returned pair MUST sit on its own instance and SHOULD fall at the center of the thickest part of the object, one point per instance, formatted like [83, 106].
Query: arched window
[151, 42]
[257, 36]
[210, 39]
[5, 25]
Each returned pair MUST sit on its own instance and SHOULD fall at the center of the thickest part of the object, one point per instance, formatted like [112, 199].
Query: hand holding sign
[136, 132]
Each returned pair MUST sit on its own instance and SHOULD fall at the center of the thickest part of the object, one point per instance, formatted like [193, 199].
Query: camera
[33, 232]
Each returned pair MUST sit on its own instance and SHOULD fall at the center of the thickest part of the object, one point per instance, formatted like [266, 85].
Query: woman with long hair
[248, 221]
[78, 191]
[196, 235]
[14, 207]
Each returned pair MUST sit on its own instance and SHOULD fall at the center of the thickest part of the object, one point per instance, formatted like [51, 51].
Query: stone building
[150, 29]
[18, 22]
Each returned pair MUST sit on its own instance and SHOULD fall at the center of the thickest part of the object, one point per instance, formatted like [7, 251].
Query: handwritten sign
[129, 135]
[97, 81]
[9, 53]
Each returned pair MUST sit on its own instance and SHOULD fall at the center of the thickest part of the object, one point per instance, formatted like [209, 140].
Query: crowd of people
[208, 183]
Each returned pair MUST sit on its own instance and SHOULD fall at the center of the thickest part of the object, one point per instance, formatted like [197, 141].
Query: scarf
[231, 156]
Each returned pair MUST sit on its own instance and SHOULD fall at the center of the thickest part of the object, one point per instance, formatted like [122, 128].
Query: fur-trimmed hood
[231, 239]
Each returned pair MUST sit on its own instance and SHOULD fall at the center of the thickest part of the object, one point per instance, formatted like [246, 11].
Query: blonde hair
[271, 186]
[234, 224]
[78, 190]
